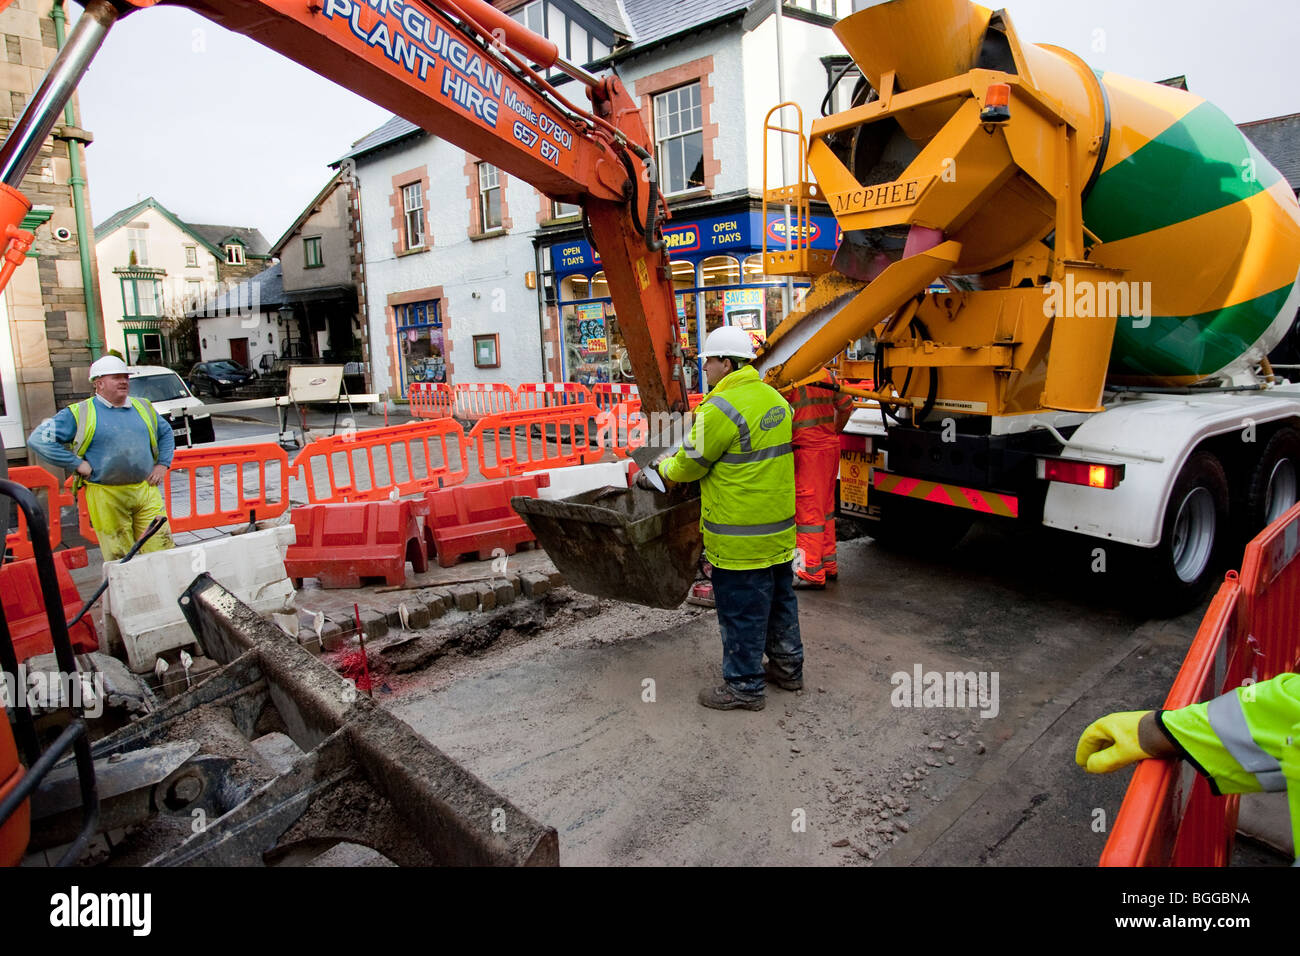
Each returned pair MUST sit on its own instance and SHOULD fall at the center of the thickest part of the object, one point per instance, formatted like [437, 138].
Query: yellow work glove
[1111, 742]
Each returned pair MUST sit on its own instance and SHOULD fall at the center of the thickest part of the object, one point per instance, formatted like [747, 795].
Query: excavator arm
[459, 69]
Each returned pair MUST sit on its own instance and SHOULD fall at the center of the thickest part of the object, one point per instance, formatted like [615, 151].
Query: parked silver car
[174, 401]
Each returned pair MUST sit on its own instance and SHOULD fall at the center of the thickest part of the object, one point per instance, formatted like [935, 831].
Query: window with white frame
[679, 139]
[413, 215]
[191, 257]
[140, 296]
[311, 253]
[489, 197]
[137, 246]
[193, 293]
[562, 210]
[234, 254]
[531, 16]
[827, 8]
[843, 78]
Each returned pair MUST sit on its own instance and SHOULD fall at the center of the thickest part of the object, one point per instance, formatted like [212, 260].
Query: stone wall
[46, 300]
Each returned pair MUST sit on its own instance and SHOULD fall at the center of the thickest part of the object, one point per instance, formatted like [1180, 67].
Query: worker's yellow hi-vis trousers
[121, 513]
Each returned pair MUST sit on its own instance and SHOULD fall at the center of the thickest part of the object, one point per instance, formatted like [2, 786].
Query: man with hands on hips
[120, 448]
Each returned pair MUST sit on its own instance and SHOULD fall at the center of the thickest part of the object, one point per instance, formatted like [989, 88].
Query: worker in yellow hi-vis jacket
[1246, 741]
[739, 451]
[120, 448]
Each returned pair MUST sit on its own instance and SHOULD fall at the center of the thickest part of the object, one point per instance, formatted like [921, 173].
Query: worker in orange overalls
[819, 416]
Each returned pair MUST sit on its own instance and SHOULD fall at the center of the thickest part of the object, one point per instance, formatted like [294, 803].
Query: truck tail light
[1090, 474]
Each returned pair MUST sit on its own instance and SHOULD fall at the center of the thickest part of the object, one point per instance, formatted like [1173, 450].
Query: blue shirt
[119, 453]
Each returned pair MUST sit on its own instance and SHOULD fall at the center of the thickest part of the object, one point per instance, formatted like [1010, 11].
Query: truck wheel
[1182, 566]
[1274, 481]
[917, 527]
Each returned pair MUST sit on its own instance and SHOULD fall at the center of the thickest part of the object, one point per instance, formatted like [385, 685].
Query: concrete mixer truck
[1070, 281]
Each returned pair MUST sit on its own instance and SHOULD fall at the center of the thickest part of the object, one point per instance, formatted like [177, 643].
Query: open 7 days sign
[738, 234]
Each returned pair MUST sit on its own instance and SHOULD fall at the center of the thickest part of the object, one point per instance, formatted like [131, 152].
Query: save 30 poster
[745, 309]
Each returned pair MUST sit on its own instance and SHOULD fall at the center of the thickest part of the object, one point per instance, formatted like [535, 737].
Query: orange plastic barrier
[24, 606]
[478, 399]
[1270, 597]
[606, 396]
[343, 544]
[477, 519]
[550, 395]
[256, 487]
[518, 447]
[415, 457]
[430, 400]
[625, 427]
[14, 832]
[258, 473]
[1167, 797]
[38, 480]
[1250, 632]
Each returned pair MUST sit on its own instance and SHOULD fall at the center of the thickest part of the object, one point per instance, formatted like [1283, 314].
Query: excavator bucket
[628, 544]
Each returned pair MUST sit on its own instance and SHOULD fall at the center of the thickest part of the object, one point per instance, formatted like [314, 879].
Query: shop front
[718, 275]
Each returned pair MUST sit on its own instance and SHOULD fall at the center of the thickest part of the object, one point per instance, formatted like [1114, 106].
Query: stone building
[52, 329]
[323, 277]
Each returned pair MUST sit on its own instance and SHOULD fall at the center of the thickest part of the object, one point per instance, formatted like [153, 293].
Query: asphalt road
[839, 774]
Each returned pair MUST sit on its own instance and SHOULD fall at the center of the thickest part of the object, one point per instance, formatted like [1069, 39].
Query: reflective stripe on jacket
[1246, 741]
[815, 410]
[739, 451]
[85, 416]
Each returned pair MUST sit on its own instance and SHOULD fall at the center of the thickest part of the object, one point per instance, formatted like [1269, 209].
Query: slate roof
[657, 20]
[123, 216]
[608, 12]
[211, 236]
[254, 242]
[1278, 138]
[391, 132]
[268, 285]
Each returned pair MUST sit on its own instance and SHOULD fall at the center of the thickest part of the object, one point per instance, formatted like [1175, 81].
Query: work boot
[802, 583]
[832, 573]
[723, 697]
[781, 680]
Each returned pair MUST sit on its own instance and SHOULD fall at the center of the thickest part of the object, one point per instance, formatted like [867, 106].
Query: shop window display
[420, 335]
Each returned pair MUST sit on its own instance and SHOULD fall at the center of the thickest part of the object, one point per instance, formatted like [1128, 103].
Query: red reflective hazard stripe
[985, 502]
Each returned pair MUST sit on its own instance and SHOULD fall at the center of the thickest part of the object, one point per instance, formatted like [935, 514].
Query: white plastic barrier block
[574, 480]
[140, 606]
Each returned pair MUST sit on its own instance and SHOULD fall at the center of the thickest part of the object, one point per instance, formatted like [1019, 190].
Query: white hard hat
[729, 341]
[108, 365]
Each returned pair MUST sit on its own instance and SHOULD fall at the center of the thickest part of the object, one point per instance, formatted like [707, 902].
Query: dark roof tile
[1278, 138]
[655, 20]
[252, 239]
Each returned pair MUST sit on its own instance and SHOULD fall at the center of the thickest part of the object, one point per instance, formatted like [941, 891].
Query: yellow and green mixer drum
[1191, 211]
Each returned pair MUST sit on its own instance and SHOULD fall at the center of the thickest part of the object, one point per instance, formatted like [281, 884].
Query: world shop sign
[703, 238]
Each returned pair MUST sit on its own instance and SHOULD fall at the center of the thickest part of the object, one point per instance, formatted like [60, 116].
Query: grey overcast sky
[219, 129]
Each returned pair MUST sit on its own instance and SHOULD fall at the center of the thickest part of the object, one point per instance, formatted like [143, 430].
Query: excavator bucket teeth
[627, 544]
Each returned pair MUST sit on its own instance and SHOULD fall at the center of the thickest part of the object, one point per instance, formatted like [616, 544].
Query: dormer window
[234, 254]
